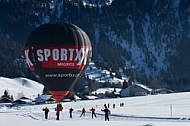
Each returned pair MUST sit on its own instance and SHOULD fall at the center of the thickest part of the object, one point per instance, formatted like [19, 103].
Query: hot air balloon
[58, 53]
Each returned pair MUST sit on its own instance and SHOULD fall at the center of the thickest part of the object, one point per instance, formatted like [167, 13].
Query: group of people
[92, 110]
[105, 110]
[57, 109]
[60, 108]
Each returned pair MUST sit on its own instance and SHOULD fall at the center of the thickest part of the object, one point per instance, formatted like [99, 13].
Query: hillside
[148, 40]
[30, 88]
[18, 87]
[103, 76]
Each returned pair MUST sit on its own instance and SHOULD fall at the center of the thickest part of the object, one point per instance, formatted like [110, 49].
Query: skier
[105, 106]
[107, 112]
[70, 112]
[58, 109]
[113, 105]
[93, 112]
[83, 112]
[46, 111]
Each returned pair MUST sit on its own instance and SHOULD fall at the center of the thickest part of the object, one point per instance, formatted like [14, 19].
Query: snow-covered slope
[153, 110]
[20, 86]
[102, 75]
[17, 87]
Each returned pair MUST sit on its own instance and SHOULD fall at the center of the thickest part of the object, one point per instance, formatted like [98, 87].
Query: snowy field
[157, 110]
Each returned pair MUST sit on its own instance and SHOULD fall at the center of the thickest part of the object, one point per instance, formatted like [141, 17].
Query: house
[22, 100]
[107, 92]
[135, 90]
[72, 98]
[27, 100]
[163, 91]
[87, 97]
[77, 98]
[5, 100]
[42, 99]
[50, 100]
[19, 101]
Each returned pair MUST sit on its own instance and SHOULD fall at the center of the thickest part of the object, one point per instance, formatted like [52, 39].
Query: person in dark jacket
[107, 113]
[70, 112]
[93, 112]
[83, 112]
[46, 111]
[58, 109]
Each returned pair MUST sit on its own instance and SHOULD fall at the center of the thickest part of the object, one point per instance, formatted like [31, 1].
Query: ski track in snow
[139, 111]
[64, 116]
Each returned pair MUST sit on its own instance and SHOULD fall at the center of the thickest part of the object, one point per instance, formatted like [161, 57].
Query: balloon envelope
[58, 53]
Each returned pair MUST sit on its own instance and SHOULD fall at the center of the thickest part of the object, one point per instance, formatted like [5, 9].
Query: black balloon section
[58, 53]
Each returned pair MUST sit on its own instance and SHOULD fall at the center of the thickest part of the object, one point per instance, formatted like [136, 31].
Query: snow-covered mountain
[19, 87]
[148, 40]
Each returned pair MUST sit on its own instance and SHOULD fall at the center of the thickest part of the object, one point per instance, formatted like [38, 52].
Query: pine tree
[125, 84]
[6, 94]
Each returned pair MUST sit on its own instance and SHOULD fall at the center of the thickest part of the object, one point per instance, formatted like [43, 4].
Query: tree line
[12, 59]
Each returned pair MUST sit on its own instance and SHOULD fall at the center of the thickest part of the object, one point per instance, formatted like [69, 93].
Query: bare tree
[154, 83]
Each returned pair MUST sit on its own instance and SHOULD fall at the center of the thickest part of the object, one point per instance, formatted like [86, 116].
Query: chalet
[107, 92]
[72, 98]
[22, 100]
[163, 91]
[50, 100]
[5, 100]
[77, 98]
[42, 99]
[87, 97]
[135, 90]
[19, 101]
